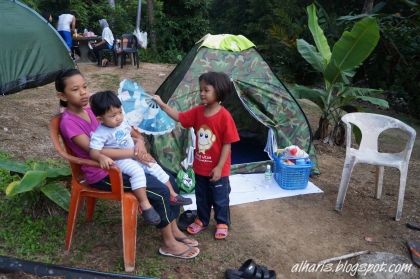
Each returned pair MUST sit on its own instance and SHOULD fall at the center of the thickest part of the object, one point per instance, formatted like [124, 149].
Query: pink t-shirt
[71, 126]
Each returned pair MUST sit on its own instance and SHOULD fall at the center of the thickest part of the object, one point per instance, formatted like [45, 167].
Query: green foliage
[282, 22]
[396, 63]
[318, 35]
[34, 178]
[337, 68]
[22, 233]
[179, 24]
[274, 27]
[352, 49]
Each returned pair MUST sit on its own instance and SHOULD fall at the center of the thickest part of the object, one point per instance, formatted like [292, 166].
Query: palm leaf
[360, 91]
[57, 172]
[375, 101]
[11, 186]
[13, 166]
[342, 101]
[318, 96]
[58, 194]
[310, 54]
[352, 48]
[29, 181]
[317, 33]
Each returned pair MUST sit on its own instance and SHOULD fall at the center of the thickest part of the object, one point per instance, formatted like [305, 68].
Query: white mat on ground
[252, 187]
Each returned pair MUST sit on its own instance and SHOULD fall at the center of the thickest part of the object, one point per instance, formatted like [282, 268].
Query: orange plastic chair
[80, 191]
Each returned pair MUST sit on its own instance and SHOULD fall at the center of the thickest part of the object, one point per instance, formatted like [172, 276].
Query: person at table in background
[47, 16]
[106, 42]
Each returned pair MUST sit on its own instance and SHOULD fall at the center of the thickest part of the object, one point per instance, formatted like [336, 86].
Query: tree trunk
[111, 3]
[367, 6]
[322, 131]
[339, 134]
[151, 16]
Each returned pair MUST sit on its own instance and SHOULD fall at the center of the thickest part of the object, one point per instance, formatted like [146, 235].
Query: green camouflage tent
[261, 102]
[31, 50]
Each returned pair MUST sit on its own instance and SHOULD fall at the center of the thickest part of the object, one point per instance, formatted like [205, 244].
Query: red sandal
[221, 231]
[196, 227]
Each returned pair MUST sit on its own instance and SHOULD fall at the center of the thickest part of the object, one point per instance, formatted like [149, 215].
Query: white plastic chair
[372, 125]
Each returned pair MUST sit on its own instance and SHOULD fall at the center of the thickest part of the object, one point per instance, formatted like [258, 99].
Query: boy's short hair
[221, 83]
[103, 101]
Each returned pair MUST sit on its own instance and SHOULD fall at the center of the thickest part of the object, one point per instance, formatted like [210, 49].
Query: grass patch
[106, 80]
[22, 236]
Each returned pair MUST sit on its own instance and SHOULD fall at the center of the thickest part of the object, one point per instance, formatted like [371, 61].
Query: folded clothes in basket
[292, 174]
[293, 152]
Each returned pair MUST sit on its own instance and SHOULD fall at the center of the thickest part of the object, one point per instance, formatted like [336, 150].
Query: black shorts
[157, 193]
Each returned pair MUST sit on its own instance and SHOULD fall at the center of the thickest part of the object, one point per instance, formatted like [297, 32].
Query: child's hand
[216, 174]
[139, 148]
[145, 158]
[158, 100]
[105, 162]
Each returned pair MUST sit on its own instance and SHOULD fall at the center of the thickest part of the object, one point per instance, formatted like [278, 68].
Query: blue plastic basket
[291, 177]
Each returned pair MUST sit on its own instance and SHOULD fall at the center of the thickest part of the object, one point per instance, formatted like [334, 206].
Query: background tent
[31, 51]
[260, 102]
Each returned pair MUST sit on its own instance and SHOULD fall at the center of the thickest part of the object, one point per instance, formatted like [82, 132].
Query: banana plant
[38, 177]
[337, 67]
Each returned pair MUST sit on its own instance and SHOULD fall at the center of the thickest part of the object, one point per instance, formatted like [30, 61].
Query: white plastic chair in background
[372, 125]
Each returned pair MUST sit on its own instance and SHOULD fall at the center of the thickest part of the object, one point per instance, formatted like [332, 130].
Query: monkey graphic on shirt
[205, 139]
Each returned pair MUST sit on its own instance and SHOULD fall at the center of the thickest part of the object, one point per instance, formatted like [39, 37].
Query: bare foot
[104, 62]
[183, 238]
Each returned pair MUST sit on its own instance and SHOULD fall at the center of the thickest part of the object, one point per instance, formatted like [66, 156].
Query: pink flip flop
[221, 231]
[196, 227]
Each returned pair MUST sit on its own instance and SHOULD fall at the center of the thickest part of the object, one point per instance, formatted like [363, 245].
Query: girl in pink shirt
[77, 125]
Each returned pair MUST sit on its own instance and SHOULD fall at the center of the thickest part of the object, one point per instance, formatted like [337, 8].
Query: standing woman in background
[106, 42]
[66, 25]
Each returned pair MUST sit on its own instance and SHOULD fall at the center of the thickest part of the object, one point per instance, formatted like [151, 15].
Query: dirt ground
[278, 233]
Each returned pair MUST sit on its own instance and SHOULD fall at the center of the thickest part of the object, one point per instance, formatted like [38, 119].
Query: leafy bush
[337, 67]
[397, 62]
[32, 178]
[179, 24]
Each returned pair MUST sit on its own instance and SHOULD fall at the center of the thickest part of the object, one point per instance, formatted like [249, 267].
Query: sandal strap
[196, 227]
[248, 268]
[222, 226]
[261, 272]
[198, 222]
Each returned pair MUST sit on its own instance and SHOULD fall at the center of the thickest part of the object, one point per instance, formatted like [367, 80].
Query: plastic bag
[141, 38]
[185, 180]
